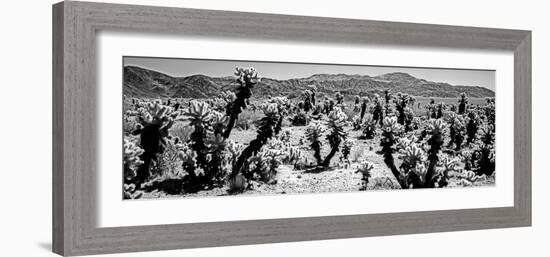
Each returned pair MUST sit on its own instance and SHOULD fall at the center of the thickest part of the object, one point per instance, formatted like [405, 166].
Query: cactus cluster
[196, 143]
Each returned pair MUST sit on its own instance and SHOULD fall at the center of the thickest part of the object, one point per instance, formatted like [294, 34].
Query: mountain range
[140, 82]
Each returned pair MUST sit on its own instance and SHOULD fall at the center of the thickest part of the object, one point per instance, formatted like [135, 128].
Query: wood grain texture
[74, 126]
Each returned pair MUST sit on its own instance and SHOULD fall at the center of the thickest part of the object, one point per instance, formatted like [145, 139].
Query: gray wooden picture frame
[75, 25]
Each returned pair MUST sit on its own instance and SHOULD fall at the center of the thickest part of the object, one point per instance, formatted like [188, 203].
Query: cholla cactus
[468, 178]
[283, 105]
[387, 142]
[265, 163]
[218, 121]
[365, 168]
[369, 129]
[436, 129]
[267, 128]
[155, 121]
[472, 127]
[484, 158]
[314, 131]
[130, 192]
[457, 130]
[462, 102]
[413, 171]
[364, 106]
[391, 125]
[223, 102]
[131, 159]
[199, 116]
[377, 111]
[307, 105]
[336, 122]
[401, 101]
[346, 149]
[339, 98]
[450, 166]
[467, 159]
[247, 78]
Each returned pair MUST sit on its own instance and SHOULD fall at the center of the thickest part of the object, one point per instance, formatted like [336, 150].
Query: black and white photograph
[203, 128]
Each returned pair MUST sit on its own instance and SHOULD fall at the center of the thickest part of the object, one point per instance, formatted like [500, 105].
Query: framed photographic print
[183, 128]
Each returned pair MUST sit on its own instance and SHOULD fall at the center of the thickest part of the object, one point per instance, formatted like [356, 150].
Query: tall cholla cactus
[457, 130]
[247, 78]
[462, 102]
[472, 127]
[364, 106]
[314, 132]
[283, 105]
[401, 101]
[266, 130]
[336, 122]
[313, 89]
[436, 130]
[388, 140]
[490, 111]
[414, 171]
[377, 112]
[307, 96]
[199, 116]
[131, 159]
[484, 158]
[155, 121]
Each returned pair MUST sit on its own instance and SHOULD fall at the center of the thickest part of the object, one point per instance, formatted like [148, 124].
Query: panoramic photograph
[207, 128]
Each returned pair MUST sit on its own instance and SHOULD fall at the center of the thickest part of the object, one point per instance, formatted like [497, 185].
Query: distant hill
[140, 82]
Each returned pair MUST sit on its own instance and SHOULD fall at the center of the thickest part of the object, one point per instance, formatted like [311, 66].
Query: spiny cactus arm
[389, 161]
[435, 141]
[390, 125]
[337, 121]
[313, 134]
[265, 132]
[247, 79]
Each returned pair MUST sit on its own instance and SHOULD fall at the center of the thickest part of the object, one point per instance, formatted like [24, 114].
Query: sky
[177, 67]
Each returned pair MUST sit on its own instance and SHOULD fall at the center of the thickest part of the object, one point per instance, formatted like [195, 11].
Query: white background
[25, 216]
